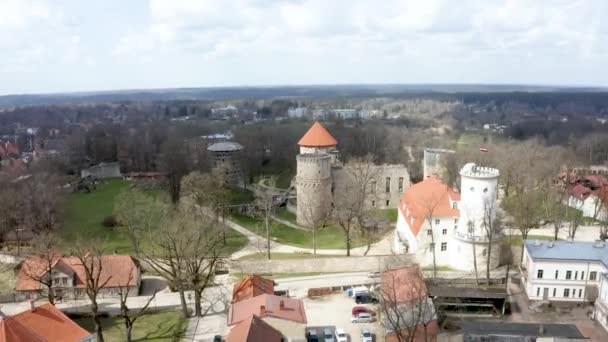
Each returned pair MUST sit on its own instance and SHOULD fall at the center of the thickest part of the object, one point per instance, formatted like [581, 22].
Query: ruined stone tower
[313, 178]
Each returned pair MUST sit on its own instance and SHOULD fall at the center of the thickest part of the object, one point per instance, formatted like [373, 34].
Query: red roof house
[44, 324]
[69, 275]
[251, 286]
[431, 196]
[254, 329]
[317, 136]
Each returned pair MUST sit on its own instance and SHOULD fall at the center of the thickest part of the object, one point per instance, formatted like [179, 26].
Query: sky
[75, 45]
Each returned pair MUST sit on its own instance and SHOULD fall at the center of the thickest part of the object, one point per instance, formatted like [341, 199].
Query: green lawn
[391, 214]
[159, 327]
[85, 212]
[262, 256]
[286, 215]
[331, 237]
[516, 240]
[240, 196]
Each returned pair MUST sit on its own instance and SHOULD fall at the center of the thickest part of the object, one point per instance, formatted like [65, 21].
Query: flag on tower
[483, 149]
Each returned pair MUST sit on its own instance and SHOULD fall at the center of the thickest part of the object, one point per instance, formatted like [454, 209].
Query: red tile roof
[253, 329]
[251, 286]
[44, 323]
[404, 284]
[115, 267]
[317, 136]
[580, 192]
[266, 305]
[429, 197]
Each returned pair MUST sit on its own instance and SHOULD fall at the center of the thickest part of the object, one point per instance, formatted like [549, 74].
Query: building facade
[433, 161]
[447, 228]
[565, 271]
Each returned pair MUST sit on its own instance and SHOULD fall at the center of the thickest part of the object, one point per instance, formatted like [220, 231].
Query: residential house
[287, 315]
[69, 278]
[43, 323]
[589, 194]
[567, 271]
[601, 303]
[407, 306]
[251, 286]
[254, 329]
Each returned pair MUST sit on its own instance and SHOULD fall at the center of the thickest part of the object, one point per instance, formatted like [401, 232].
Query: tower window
[374, 186]
[373, 203]
[444, 246]
[388, 202]
[400, 184]
[472, 189]
[388, 184]
[485, 190]
[444, 232]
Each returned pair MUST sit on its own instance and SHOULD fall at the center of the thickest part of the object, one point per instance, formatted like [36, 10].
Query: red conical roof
[317, 136]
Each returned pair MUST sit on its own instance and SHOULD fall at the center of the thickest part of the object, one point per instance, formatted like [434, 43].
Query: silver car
[366, 336]
[363, 317]
[328, 335]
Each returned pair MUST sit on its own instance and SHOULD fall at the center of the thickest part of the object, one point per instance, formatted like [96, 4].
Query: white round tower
[313, 187]
[478, 191]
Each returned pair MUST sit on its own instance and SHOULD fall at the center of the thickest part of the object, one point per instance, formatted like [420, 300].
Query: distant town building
[223, 113]
[227, 158]
[437, 223]
[299, 112]
[102, 170]
[345, 113]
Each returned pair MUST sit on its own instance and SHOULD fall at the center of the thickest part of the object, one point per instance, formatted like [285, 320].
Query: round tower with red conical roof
[313, 178]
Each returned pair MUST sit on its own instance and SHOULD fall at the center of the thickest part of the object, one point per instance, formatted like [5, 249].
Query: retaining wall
[323, 265]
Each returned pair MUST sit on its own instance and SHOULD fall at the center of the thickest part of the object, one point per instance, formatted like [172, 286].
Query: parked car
[362, 318]
[328, 335]
[217, 338]
[341, 335]
[366, 336]
[363, 298]
[311, 336]
[361, 309]
[374, 274]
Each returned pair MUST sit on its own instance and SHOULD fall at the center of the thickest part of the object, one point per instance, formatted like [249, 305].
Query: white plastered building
[433, 216]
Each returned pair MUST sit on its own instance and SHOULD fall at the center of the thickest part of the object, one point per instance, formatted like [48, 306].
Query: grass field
[166, 326]
[391, 214]
[516, 240]
[286, 215]
[327, 238]
[85, 212]
[282, 256]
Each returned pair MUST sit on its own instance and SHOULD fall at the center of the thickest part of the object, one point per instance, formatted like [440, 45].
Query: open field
[86, 211]
[165, 326]
[331, 237]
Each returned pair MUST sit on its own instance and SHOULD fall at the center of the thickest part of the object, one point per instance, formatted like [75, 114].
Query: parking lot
[334, 311]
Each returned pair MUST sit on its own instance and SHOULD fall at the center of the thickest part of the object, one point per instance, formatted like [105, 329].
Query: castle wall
[102, 170]
[313, 187]
[433, 161]
[394, 178]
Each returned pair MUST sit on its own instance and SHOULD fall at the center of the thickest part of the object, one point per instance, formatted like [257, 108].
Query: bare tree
[350, 198]
[574, 218]
[491, 225]
[408, 314]
[175, 163]
[91, 261]
[140, 214]
[39, 268]
[471, 229]
[429, 204]
[526, 212]
[129, 316]
[264, 205]
[317, 220]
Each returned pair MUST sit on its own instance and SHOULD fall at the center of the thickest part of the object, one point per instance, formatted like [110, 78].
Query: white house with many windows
[448, 228]
[601, 303]
[563, 270]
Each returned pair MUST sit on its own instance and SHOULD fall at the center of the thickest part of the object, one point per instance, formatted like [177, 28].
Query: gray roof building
[568, 250]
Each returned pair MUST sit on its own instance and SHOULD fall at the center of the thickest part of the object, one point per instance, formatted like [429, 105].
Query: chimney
[282, 305]
[32, 306]
[262, 309]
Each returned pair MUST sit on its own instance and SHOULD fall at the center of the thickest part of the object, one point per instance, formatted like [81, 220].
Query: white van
[363, 317]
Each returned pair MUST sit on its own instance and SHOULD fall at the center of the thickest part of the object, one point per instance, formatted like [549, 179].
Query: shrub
[109, 221]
